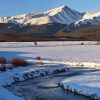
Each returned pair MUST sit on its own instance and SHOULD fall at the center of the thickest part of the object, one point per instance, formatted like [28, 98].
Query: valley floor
[60, 51]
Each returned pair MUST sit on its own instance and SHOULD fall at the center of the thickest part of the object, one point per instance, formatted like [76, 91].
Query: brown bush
[3, 61]
[18, 62]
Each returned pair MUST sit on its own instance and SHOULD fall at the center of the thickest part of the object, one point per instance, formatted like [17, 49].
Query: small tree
[35, 43]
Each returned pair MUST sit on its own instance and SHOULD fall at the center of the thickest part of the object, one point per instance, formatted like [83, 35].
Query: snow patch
[6, 95]
[86, 84]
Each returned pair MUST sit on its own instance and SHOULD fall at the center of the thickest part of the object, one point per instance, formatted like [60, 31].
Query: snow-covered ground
[86, 84]
[52, 50]
[68, 53]
[6, 95]
[29, 72]
[71, 53]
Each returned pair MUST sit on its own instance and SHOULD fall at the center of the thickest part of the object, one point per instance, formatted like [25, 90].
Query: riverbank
[87, 84]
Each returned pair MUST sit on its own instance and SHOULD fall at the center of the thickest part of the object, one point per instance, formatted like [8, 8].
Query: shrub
[82, 43]
[3, 61]
[18, 62]
[38, 58]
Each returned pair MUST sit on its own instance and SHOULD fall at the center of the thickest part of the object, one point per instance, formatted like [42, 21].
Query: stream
[45, 88]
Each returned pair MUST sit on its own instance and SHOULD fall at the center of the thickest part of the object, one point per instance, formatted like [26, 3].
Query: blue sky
[15, 7]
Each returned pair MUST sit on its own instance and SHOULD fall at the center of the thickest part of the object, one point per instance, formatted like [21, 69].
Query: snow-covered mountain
[48, 24]
[63, 15]
[90, 18]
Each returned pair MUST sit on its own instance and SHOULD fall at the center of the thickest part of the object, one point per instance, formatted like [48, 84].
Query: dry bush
[38, 58]
[18, 62]
[3, 60]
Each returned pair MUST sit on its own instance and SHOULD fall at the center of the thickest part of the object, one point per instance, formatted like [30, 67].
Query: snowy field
[68, 53]
[52, 50]
[71, 53]
[87, 84]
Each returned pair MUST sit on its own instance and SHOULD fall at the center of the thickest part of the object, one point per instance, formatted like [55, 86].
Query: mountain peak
[57, 10]
[61, 7]
[64, 15]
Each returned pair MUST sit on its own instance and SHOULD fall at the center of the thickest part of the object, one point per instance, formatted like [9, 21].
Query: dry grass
[18, 62]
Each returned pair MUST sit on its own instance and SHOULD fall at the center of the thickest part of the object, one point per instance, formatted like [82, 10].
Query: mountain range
[62, 23]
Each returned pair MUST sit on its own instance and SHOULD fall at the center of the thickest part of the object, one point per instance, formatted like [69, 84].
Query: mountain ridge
[48, 24]
[63, 15]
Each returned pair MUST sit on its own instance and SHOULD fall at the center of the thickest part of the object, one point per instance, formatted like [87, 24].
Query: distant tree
[35, 43]
[82, 43]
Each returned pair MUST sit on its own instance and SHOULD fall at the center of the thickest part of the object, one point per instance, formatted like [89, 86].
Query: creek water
[44, 88]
